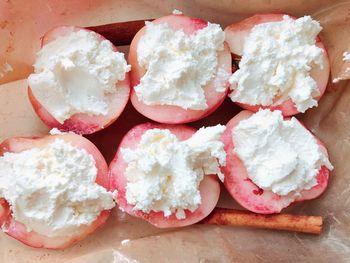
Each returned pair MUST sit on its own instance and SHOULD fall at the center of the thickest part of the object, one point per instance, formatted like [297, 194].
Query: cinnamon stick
[297, 223]
[121, 33]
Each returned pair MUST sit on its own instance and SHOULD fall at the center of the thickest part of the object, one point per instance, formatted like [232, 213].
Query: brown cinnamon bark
[121, 33]
[297, 223]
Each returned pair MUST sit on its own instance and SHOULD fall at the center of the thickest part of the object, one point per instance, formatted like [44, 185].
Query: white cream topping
[276, 63]
[77, 73]
[281, 156]
[164, 174]
[52, 190]
[346, 56]
[178, 65]
[336, 80]
[125, 242]
[177, 12]
[55, 131]
[4, 69]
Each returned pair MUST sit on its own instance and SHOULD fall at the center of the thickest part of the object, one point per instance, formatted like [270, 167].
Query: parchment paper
[21, 25]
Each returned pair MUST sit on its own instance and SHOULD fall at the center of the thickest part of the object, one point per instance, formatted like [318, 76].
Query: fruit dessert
[180, 69]
[80, 82]
[57, 189]
[54, 190]
[168, 175]
[282, 63]
[273, 161]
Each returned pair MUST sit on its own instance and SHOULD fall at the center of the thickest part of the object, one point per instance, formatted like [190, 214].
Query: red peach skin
[174, 114]
[209, 187]
[16, 229]
[236, 34]
[82, 123]
[249, 195]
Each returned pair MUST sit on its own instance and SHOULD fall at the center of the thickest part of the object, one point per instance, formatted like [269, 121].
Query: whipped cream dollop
[178, 66]
[52, 190]
[276, 63]
[280, 155]
[77, 73]
[164, 174]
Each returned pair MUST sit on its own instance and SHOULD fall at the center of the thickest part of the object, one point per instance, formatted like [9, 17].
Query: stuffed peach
[53, 190]
[283, 64]
[81, 81]
[288, 162]
[180, 69]
[166, 174]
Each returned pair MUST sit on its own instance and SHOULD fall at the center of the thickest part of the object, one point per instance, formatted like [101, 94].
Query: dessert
[273, 162]
[80, 82]
[282, 63]
[180, 69]
[167, 174]
[54, 190]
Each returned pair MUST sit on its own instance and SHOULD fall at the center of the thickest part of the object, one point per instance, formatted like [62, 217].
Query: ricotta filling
[52, 190]
[163, 174]
[279, 155]
[77, 73]
[276, 64]
[178, 66]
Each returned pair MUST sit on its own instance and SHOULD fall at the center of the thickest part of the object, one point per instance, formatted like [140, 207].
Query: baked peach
[82, 123]
[169, 113]
[248, 194]
[209, 186]
[18, 230]
[236, 35]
